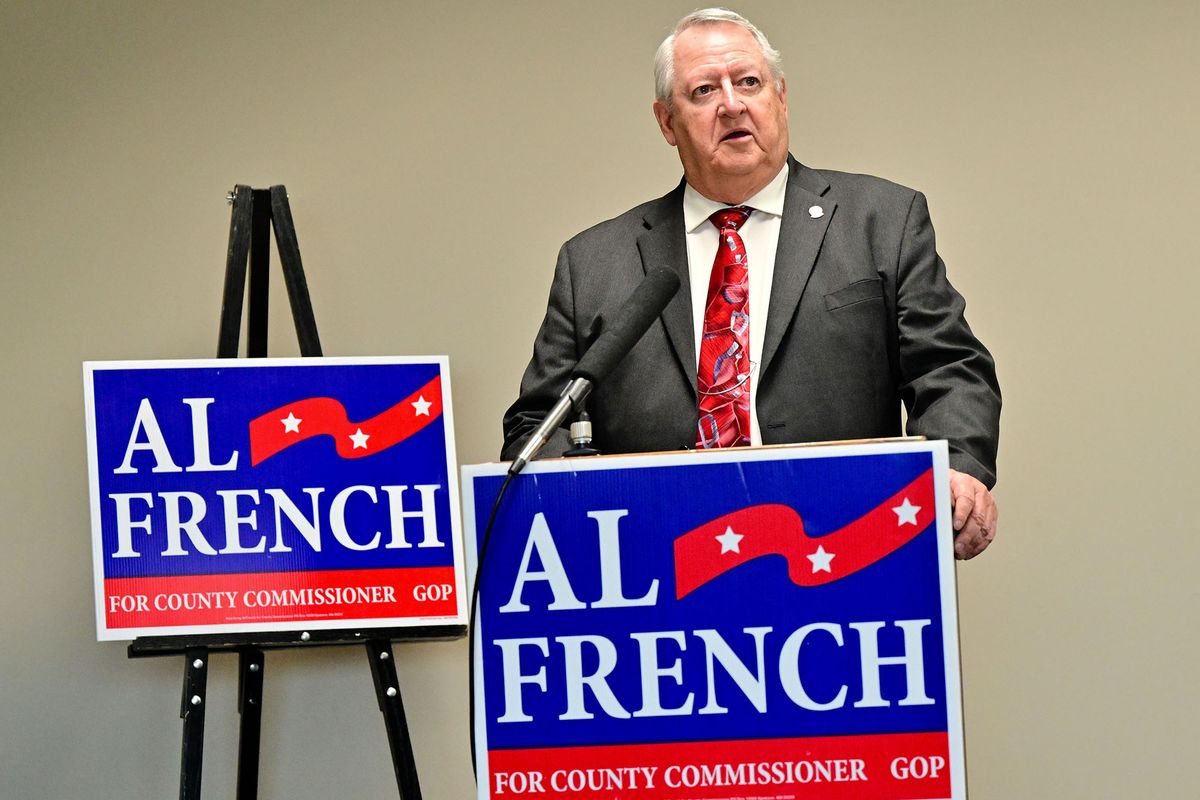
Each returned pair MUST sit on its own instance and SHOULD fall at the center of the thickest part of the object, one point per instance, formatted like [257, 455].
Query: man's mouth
[735, 135]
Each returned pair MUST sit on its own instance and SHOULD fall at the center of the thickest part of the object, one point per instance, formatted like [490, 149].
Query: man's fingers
[964, 504]
[960, 548]
[985, 517]
[978, 531]
[970, 542]
[975, 515]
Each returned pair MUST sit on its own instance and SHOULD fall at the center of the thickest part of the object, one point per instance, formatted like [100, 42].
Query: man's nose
[731, 103]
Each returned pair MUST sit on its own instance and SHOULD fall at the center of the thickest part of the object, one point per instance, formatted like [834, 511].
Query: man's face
[725, 117]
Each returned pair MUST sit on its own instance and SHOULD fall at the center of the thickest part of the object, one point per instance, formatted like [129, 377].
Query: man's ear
[665, 121]
[783, 95]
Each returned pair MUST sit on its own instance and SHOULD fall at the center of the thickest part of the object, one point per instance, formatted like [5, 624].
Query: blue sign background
[242, 394]
[827, 492]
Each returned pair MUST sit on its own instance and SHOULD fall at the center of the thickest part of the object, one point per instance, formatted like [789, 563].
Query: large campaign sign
[233, 496]
[734, 625]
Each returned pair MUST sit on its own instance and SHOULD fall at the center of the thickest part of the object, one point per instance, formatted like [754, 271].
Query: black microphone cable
[483, 545]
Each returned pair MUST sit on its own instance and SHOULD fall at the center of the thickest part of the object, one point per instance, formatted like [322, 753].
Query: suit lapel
[662, 244]
[800, 237]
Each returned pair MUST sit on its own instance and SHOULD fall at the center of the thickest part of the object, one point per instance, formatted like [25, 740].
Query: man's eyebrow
[707, 77]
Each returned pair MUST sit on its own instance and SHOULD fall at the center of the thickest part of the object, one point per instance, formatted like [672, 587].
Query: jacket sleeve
[947, 377]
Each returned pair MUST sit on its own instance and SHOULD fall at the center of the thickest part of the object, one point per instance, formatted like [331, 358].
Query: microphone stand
[581, 437]
[572, 397]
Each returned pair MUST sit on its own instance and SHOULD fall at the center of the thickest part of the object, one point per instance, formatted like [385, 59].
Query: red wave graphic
[324, 416]
[731, 540]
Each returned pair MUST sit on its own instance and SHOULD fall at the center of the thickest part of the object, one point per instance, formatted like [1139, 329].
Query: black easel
[255, 212]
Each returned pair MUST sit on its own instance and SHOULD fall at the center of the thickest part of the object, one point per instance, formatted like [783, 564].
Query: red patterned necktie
[724, 374]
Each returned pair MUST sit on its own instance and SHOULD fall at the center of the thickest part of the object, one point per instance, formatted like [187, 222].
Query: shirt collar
[697, 208]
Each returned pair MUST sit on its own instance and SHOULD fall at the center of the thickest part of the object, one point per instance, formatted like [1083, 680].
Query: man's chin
[738, 163]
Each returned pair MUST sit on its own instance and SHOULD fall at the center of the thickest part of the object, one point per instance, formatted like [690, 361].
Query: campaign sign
[752, 623]
[272, 495]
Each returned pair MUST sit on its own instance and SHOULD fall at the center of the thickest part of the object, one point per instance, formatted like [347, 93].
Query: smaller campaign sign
[739, 624]
[241, 496]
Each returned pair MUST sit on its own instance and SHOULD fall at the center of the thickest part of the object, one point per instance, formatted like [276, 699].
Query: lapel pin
[816, 212]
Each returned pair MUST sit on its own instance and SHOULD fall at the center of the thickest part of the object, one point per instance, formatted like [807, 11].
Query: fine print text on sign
[754, 623]
[272, 494]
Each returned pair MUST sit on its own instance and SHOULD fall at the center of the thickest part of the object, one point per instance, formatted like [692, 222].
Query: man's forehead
[711, 47]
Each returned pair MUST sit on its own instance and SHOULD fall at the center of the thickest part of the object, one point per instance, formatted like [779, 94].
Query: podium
[755, 622]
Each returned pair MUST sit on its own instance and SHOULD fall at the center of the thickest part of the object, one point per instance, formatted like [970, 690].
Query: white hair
[664, 58]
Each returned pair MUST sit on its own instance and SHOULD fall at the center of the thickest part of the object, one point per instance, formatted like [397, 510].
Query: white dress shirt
[760, 234]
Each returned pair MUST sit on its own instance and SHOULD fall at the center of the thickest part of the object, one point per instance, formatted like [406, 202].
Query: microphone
[632, 320]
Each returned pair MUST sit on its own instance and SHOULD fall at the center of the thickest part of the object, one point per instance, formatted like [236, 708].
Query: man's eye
[750, 80]
[700, 91]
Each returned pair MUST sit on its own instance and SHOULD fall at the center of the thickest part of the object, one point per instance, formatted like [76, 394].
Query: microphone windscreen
[630, 322]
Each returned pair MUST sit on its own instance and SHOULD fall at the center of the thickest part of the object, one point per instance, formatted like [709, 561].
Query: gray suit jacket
[861, 318]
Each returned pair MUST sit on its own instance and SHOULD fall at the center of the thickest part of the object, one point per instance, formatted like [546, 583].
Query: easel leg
[195, 686]
[387, 690]
[251, 665]
[293, 273]
[234, 295]
[260, 276]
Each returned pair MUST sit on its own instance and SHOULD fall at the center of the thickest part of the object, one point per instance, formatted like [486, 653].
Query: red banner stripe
[241, 598]
[324, 416]
[729, 541]
[893, 766]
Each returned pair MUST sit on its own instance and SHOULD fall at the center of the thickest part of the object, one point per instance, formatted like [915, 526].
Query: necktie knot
[730, 218]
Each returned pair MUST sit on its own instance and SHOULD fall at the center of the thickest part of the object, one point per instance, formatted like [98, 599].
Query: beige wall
[435, 155]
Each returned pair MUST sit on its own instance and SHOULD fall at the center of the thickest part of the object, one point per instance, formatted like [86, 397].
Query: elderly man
[813, 303]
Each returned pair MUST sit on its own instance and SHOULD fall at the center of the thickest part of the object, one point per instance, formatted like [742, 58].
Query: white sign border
[104, 633]
[946, 570]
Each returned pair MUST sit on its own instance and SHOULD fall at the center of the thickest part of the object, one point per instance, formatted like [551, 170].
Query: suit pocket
[857, 292]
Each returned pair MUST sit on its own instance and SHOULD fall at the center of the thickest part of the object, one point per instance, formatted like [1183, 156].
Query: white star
[360, 439]
[906, 513]
[820, 560]
[421, 405]
[291, 424]
[729, 541]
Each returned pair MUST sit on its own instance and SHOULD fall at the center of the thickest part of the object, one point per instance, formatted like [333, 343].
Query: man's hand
[975, 515]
